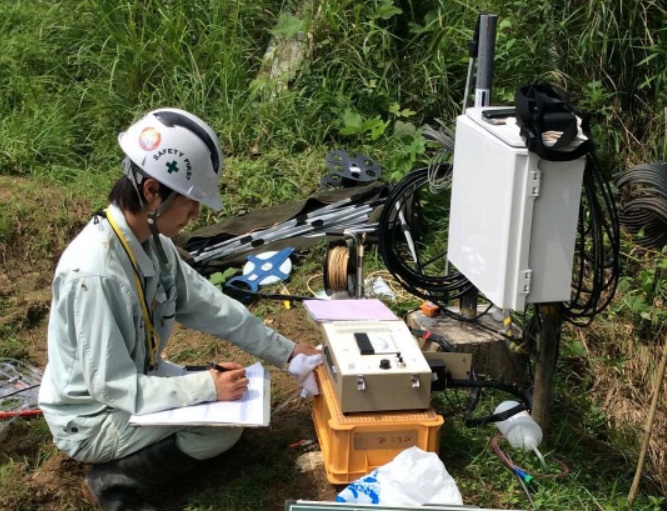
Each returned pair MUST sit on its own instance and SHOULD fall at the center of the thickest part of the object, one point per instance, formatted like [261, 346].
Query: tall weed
[74, 73]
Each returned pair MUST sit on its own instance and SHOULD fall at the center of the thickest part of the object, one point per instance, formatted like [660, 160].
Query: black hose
[596, 265]
[645, 211]
[596, 260]
[391, 240]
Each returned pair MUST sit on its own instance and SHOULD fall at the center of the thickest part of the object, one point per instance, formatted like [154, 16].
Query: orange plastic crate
[355, 444]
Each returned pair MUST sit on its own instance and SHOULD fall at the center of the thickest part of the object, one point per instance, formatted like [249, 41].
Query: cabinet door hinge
[534, 182]
[525, 279]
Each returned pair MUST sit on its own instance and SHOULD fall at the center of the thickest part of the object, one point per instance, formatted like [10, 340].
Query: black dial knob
[385, 363]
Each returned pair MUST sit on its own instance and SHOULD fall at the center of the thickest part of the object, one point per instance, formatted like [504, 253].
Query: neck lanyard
[152, 337]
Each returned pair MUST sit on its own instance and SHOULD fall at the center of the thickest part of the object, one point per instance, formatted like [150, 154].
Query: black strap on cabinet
[496, 417]
[539, 108]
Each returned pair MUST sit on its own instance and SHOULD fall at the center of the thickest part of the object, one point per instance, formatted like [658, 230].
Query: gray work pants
[117, 439]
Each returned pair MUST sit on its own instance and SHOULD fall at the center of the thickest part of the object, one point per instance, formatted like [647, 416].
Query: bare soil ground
[38, 222]
[262, 471]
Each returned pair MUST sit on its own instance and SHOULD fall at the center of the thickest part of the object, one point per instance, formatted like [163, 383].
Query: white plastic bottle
[520, 430]
[382, 289]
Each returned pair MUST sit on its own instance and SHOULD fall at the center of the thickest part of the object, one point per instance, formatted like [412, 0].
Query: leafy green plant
[404, 143]
[644, 295]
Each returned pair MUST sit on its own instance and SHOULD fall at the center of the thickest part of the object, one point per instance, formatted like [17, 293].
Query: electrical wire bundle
[596, 259]
[19, 389]
[645, 211]
[526, 480]
[596, 265]
[395, 243]
[444, 140]
[340, 269]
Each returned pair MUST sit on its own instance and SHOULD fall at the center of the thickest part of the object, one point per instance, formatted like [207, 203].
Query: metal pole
[340, 207]
[408, 235]
[468, 303]
[358, 214]
[473, 52]
[487, 48]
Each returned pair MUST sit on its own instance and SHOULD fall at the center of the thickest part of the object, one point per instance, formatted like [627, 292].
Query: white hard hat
[179, 150]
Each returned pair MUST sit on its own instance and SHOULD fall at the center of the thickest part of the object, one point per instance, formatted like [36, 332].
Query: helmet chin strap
[152, 225]
[137, 178]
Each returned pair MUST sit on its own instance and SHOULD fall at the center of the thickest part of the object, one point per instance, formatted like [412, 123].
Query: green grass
[75, 73]
[600, 474]
[10, 345]
[601, 463]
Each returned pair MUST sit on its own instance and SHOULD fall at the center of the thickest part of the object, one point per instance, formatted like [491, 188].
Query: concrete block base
[491, 355]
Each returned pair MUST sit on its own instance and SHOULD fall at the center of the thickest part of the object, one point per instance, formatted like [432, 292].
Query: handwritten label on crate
[385, 440]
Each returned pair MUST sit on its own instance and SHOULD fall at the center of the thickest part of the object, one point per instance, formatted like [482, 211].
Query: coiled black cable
[644, 213]
[392, 236]
[596, 266]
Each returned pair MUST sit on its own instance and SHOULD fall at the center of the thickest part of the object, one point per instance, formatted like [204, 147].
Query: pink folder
[349, 310]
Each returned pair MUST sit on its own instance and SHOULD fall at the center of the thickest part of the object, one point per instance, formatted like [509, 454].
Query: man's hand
[232, 384]
[305, 349]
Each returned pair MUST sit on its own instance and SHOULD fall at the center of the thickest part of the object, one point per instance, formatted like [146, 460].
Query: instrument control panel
[376, 366]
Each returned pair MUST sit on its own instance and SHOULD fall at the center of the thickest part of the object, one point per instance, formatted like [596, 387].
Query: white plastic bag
[413, 478]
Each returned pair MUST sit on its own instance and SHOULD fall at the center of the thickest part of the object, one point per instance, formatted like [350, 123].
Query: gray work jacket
[96, 342]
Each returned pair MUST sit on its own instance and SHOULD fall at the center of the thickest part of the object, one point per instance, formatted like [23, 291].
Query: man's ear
[151, 189]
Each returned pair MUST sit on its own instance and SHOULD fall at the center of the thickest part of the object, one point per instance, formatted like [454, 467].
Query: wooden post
[546, 362]
[657, 386]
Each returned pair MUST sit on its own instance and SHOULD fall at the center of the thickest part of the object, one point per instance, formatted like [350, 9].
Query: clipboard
[253, 410]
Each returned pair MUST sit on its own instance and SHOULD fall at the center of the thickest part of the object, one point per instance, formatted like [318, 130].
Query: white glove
[302, 367]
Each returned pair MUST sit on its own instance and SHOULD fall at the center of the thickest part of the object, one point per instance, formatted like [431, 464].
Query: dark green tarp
[258, 220]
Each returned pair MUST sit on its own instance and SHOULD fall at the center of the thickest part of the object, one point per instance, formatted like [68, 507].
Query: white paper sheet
[364, 309]
[254, 409]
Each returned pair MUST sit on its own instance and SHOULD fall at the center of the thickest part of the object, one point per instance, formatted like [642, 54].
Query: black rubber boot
[123, 484]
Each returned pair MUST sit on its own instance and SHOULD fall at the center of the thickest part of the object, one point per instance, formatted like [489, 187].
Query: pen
[211, 365]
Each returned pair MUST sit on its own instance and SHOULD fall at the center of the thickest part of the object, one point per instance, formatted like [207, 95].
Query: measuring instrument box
[375, 366]
[513, 217]
[355, 444]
